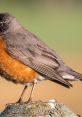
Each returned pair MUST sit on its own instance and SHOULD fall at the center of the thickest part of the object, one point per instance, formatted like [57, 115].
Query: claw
[29, 100]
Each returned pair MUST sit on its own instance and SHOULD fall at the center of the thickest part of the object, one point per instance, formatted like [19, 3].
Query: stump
[38, 109]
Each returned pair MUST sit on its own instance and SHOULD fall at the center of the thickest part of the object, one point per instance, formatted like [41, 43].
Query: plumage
[37, 58]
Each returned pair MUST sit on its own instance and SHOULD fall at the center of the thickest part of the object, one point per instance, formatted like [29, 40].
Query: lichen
[37, 109]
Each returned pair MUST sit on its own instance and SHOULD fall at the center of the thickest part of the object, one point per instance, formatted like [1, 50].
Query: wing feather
[42, 68]
[32, 52]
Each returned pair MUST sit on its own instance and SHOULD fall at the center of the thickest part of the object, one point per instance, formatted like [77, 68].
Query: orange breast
[15, 68]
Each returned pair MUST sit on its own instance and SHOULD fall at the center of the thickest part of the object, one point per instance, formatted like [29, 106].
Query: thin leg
[30, 97]
[20, 99]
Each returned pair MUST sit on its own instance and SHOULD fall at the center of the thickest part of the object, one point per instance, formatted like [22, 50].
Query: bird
[26, 59]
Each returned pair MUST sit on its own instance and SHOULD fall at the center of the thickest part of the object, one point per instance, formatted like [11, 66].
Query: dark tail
[74, 73]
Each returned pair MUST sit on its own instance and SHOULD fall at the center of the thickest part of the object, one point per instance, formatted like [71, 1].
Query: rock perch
[38, 109]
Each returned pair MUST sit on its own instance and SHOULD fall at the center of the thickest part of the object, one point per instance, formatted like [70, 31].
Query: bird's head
[5, 21]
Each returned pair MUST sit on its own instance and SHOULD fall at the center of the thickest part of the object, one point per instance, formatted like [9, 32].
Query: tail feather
[76, 75]
[67, 76]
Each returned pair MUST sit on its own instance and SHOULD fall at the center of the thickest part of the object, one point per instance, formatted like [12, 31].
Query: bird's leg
[30, 97]
[20, 99]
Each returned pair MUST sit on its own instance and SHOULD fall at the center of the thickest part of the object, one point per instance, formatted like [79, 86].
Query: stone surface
[38, 109]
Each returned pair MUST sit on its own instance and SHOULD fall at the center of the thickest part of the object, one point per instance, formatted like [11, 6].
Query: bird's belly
[15, 68]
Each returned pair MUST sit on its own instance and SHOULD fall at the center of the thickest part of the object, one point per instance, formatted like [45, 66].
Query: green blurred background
[59, 24]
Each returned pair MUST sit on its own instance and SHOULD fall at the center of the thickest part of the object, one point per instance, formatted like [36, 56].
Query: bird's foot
[20, 101]
[29, 100]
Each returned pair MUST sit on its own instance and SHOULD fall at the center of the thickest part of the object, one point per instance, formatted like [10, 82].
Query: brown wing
[35, 54]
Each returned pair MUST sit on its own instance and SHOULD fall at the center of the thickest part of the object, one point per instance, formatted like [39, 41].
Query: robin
[25, 59]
